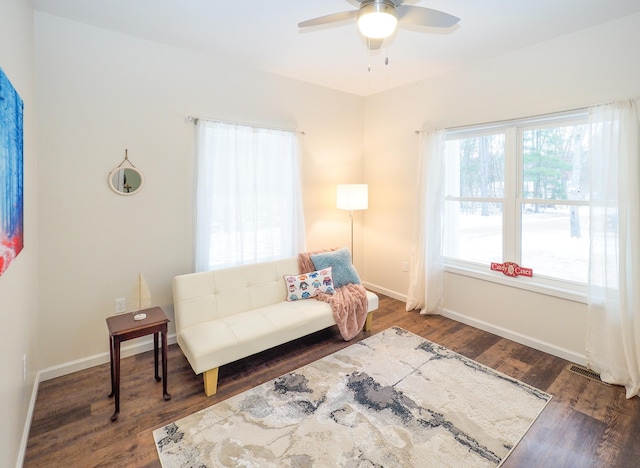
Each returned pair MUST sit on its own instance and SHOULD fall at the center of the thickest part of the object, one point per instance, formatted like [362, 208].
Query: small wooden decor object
[143, 293]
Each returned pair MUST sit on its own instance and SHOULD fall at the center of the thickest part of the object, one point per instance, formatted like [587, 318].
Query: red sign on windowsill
[511, 269]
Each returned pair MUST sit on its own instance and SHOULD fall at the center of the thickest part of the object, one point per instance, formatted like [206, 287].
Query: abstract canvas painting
[11, 173]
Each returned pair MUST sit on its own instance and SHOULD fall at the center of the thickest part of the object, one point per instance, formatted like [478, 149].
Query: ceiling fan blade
[374, 44]
[333, 18]
[395, 2]
[420, 16]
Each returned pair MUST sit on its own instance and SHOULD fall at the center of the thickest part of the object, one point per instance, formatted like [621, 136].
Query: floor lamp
[352, 197]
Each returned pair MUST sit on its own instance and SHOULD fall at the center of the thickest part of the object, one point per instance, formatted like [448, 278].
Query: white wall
[589, 67]
[100, 92]
[19, 284]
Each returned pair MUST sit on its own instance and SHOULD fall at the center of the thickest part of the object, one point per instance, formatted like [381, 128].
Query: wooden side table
[123, 327]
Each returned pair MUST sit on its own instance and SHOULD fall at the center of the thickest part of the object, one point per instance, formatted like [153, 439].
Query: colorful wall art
[11, 173]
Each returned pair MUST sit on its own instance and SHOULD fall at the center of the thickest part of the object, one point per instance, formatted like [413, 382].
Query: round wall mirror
[126, 180]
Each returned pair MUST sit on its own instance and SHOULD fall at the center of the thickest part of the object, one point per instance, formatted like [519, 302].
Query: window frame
[513, 201]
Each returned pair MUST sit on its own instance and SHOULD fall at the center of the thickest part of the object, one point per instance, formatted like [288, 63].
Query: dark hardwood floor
[586, 424]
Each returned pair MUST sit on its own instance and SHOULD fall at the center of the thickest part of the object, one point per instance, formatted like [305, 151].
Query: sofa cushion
[340, 261]
[211, 344]
[199, 297]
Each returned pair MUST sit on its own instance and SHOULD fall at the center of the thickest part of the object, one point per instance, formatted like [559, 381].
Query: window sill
[542, 285]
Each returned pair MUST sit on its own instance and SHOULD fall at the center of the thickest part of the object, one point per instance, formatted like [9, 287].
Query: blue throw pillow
[342, 270]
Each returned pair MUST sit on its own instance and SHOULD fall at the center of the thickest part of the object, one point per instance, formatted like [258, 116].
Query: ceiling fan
[378, 19]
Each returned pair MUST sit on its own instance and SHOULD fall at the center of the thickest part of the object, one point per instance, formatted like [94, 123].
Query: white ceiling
[264, 35]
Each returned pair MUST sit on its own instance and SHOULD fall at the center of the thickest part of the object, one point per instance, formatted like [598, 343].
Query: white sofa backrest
[200, 297]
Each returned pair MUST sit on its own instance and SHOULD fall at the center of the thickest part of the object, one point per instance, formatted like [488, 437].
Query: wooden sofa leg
[368, 322]
[211, 382]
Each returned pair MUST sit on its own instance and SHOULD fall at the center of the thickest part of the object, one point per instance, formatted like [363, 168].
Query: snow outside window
[518, 191]
[249, 198]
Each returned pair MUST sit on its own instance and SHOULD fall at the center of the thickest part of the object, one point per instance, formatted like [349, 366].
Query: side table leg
[165, 394]
[111, 365]
[155, 355]
[116, 359]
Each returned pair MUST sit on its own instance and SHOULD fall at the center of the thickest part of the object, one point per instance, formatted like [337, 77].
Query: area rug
[391, 400]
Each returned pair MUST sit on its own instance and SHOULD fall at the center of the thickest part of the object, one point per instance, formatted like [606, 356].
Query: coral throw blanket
[348, 303]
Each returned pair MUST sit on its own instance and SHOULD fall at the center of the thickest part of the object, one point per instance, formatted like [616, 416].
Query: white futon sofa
[225, 315]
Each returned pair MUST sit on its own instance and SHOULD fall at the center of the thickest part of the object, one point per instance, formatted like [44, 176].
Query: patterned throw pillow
[308, 284]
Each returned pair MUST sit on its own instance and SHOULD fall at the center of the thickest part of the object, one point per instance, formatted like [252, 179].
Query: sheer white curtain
[249, 197]
[426, 281]
[613, 335]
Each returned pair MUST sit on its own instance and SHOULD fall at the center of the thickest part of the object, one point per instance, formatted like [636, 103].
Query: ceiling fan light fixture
[377, 20]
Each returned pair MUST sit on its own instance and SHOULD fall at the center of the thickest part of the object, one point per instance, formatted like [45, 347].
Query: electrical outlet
[24, 367]
[405, 266]
[121, 305]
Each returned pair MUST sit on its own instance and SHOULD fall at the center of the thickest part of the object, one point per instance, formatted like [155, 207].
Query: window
[518, 191]
[249, 201]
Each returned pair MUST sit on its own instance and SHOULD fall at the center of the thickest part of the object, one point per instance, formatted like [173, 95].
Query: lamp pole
[352, 197]
[351, 215]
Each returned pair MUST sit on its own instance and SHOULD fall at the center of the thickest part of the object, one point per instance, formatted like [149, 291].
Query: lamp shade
[377, 20]
[353, 196]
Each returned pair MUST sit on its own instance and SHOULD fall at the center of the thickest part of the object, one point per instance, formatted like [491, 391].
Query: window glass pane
[555, 163]
[473, 231]
[555, 240]
[547, 162]
[475, 166]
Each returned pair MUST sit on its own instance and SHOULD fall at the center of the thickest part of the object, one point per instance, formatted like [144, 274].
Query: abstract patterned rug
[391, 400]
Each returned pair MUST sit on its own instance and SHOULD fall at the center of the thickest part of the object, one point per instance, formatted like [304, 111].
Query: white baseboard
[97, 359]
[534, 343]
[386, 292]
[27, 423]
[147, 345]
[74, 366]
[518, 337]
